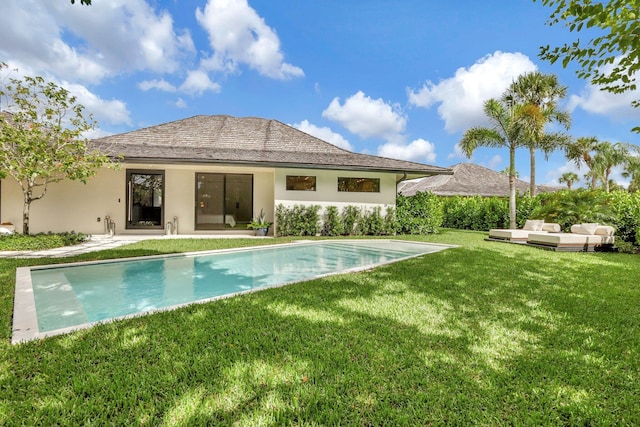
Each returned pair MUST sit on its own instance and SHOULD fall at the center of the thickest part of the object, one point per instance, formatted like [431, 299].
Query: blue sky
[401, 79]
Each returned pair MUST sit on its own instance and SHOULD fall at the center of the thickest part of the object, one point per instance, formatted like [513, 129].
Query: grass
[484, 334]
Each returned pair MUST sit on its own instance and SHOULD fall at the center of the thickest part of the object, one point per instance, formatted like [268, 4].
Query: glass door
[145, 199]
[209, 201]
[223, 201]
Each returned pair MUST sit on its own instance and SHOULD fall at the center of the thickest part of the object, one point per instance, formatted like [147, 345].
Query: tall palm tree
[608, 156]
[540, 94]
[580, 151]
[632, 169]
[568, 178]
[507, 131]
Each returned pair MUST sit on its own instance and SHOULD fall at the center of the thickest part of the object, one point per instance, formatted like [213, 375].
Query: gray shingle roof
[468, 179]
[248, 141]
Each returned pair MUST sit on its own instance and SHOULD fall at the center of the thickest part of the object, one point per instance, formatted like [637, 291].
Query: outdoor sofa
[588, 237]
[516, 235]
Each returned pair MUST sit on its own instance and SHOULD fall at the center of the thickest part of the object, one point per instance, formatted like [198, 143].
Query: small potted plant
[259, 224]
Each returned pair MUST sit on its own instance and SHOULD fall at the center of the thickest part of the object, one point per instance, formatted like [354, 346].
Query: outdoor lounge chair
[521, 235]
[583, 237]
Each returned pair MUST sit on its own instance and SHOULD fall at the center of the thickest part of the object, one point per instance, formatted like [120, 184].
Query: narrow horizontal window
[359, 185]
[301, 183]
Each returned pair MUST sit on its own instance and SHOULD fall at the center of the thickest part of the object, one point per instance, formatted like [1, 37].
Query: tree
[540, 94]
[507, 132]
[41, 138]
[612, 58]
[608, 156]
[568, 178]
[84, 2]
[507, 171]
[632, 169]
[580, 151]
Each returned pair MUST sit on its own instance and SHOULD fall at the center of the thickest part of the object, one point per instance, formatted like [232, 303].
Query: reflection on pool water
[75, 295]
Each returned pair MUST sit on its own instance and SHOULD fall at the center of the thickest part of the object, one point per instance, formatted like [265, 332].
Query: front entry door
[145, 199]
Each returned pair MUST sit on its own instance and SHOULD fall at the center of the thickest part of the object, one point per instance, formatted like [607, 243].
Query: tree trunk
[25, 214]
[532, 173]
[512, 188]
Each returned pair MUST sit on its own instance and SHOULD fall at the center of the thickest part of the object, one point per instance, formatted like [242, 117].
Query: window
[359, 185]
[301, 183]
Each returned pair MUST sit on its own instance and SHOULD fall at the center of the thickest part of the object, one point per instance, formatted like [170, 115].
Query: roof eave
[411, 173]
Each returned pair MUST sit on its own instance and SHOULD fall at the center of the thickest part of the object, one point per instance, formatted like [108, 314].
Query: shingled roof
[468, 179]
[246, 141]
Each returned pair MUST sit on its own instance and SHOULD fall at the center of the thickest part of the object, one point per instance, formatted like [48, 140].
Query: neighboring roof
[468, 179]
[246, 141]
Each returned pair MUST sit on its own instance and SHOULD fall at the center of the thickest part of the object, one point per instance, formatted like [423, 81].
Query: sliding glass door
[145, 199]
[223, 201]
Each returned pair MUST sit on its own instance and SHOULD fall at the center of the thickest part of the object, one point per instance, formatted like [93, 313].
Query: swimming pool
[59, 298]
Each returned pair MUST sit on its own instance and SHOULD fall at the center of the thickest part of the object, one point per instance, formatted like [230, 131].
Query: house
[209, 174]
[468, 179]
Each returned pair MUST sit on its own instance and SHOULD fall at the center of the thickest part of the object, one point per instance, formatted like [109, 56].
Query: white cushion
[551, 227]
[533, 225]
[604, 230]
[584, 228]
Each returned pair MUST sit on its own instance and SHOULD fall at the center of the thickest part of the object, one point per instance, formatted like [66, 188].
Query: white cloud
[238, 35]
[114, 111]
[368, 117]
[419, 150]
[198, 82]
[615, 106]
[324, 133]
[180, 103]
[109, 38]
[110, 111]
[462, 96]
[161, 85]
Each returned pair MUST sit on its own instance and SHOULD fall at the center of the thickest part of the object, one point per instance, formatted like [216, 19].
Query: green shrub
[525, 208]
[331, 226]
[40, 241]
[371, 222]
[298, 220]
[390, 221]
[568, 207]
[419, 214]
[351, 216]
[626, 208]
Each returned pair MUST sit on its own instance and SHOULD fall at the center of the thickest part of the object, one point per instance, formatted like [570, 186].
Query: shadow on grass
[482, 334]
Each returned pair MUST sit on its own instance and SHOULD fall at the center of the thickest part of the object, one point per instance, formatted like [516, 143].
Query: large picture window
[301, 183]
[359, 185]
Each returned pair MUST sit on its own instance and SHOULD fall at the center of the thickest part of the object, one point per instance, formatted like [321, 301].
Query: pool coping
[25, 319]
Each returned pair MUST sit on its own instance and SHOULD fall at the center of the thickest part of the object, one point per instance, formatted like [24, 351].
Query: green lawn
[485, 334]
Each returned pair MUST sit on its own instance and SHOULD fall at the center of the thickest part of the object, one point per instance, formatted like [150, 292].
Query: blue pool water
[75, 295]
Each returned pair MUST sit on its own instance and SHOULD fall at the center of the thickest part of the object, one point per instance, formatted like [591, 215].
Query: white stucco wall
[327, 193]
[70, 205]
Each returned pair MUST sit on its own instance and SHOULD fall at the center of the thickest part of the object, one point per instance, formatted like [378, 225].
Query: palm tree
[580, 152]
[569, 178]
[540, 94]
[608, 156]
[632, 170]
[507, 131]
[507, 170]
